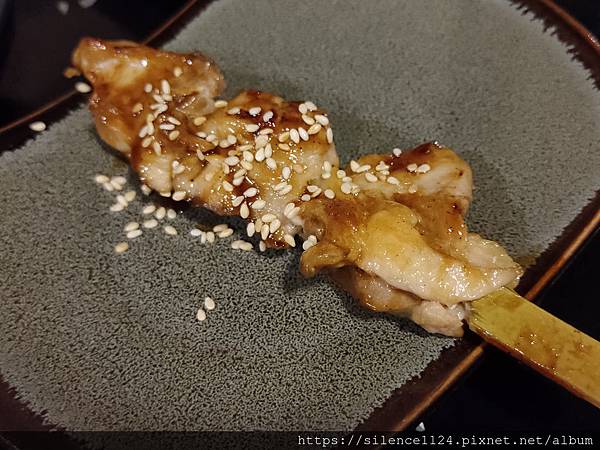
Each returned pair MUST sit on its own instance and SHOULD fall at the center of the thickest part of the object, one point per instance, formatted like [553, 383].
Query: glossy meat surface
[389, 227]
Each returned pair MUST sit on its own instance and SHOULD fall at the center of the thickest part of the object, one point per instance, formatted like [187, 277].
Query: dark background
[498, 393]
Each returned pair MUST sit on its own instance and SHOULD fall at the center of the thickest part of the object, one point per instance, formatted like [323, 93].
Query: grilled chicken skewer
[389, 227]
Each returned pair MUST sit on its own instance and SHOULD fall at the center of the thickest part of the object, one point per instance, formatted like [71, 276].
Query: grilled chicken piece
[389, 228]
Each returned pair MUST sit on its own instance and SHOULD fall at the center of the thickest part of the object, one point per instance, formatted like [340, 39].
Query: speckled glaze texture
[99, 341]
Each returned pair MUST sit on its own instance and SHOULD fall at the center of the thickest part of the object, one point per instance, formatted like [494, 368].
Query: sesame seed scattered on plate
[171, 231]
[209, 304]
[121, 247]
[82, 87]
[37, 126]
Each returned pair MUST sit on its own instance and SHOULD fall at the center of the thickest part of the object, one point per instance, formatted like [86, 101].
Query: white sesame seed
[289, 239]
[173, 120]
[412, 167]
[210, 237]
[171, 214]
[237, 181]
[261, 140]
[267, 218]
[271, 164]
[241, 245]
[171, 231]
[266, 131]
[370, 177]
[267, 116]
[393, 180]
[326, 175]
[262, 246]
[258, 204]
[145, 189]
[109, 187]
[173, 135]
[225, 233]
[423, 168]
[264, 231]
[196, 232]
[117, 207]
[305, 197]
[251, 127]
[308, 120]
[166, 126]
[250, 192]
[160, 213]
[199, 120]
[209, 304]
[288, 208]
[231, 139]
[323, 120]
[310, 105]
[177, 71]
[82, 87]
[268, 150]
[232, 160]
[156, 147]
[151, 223]
[258, 223]
[346, 188]
[131, 226]
[147, 141]
[363, 168]
[227, 186]
[165, 87]
[250, 229]
[211, 138]
[158, 98]
[294, 135]
[224, 143]
[220, 227]
[148, 209]
[147, 88]
[307, 244]
[178, 195]
[312, 188]
[397, 152]
[260, 155]
[129, 195]
[303, 134]
[37, 126]
[244, 211]
[329, 193]
[280, 186]
[283, 147]
[354, 166]
[329, 136]
[286, 172]
[314, 129]
[100, 179]
[122, 200]
[302, 108]
[233, 111]
[133, 234]
[316, 193]
[347, 179]
[201, 315]
[283, 136]
[238, 200]
[121, 247]
[274, 226]
[165, 194]
[220, 104]
[240, 173]
[254, 111]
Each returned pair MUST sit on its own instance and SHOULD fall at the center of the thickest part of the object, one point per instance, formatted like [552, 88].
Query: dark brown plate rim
[414, 397]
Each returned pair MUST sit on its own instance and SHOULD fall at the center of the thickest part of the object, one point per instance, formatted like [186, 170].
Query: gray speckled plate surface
[101, 341]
